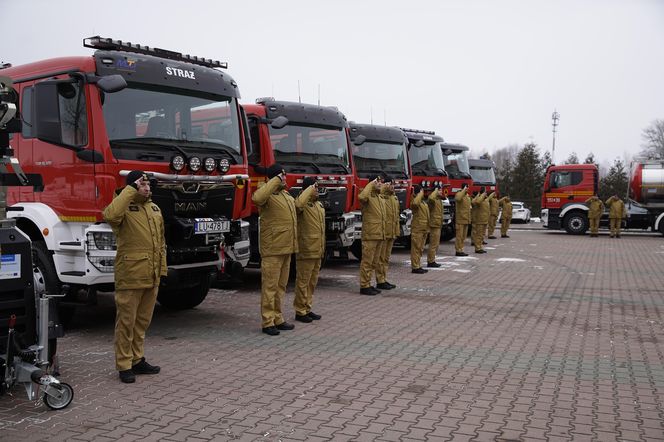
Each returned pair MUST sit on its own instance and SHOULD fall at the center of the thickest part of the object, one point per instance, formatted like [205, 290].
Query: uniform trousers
[274, 277]
[134, 309]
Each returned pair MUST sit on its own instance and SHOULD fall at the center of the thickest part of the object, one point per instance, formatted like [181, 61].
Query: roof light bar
[109, 44]
[419, 131]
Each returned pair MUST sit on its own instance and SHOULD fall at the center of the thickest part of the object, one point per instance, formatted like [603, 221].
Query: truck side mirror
[112, 83]
[47, 110]
[279, 123]
[359, 140]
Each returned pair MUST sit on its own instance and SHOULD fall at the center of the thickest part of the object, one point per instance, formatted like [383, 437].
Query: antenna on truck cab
[108, 44]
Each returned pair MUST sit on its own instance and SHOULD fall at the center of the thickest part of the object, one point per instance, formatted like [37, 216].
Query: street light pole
[555, 116]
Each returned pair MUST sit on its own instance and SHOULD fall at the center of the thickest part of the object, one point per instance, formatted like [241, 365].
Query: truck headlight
[101, 241]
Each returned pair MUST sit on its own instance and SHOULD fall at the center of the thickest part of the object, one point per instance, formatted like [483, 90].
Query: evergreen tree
[615, 182]
[527, 177]
[572, 159]
[590, 159]
[504, 177]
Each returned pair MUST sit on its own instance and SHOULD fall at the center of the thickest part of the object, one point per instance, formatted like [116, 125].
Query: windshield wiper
[343, 166]
[397, 172]
[302, 163]
[167, 144]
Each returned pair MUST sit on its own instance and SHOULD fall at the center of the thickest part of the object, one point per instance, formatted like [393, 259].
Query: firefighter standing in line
[616, 214]
[462, 218]
[391, 226]
[506, 217]
[493, 215]
[140, 264]
[595, 210]
[373, 233]
[278, 241]
[419, 229]
[480, 219]
[311, 248]
[435, 224]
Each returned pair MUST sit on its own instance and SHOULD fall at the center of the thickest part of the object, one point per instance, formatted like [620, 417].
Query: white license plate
[212, 227]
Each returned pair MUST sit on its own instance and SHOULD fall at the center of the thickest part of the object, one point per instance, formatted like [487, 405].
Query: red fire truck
[566, 187]
[483, 172]
[428, 167]
[307, 140]
[90, 120]
[381, 150]
[455, 157]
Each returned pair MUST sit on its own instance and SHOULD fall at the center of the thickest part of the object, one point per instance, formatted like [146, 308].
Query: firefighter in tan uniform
[506, 218]
[419, 229]
[392, 230]
[480, 219]
[277, 242]
[595, 210]
[435, 203]
[373, 233]
[311, 248]
[462, 218]
[493, 215]
[139, 265]
[616, 214]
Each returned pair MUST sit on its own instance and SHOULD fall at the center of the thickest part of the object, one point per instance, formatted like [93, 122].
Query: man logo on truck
[175, 72]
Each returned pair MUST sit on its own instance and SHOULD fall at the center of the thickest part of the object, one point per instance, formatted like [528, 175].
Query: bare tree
[653, 139]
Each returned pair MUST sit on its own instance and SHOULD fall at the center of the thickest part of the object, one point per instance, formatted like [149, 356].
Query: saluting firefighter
[311, 248]
[480, 219]
[506, 218]
[373, 233]
[419, 229]
[392, 230]
[435, 224]
[462, 203]
[140, 263]
[616, 213]
[493, 215]
[277, 242]
[595, 210]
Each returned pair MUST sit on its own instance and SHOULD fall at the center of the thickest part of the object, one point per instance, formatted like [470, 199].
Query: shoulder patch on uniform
[155, 208]
[133, 208]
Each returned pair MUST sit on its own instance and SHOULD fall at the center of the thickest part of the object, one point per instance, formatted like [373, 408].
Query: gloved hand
[163, 280]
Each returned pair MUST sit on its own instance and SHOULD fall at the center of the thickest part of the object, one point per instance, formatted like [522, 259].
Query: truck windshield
[375, 157]
[426, 160]
[144, 122]
[456, 165]
[316, 148]
[483, 175]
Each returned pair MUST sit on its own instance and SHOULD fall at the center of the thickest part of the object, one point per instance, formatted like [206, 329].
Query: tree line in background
[520, 170]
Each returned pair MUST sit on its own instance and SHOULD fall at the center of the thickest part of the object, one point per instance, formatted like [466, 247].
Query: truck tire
[447, 234]
[356, 249]
[575, 223]
[183, 298]
[46, 278]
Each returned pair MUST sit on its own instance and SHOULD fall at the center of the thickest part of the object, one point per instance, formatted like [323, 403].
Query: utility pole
[555, 116]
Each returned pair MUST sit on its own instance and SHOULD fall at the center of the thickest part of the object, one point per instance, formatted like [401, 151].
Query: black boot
[142, 367]
[127, 376]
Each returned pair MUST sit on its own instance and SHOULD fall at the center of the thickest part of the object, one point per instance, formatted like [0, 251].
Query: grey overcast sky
[485, 73]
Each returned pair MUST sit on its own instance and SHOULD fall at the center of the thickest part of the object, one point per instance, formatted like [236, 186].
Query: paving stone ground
[547, 337]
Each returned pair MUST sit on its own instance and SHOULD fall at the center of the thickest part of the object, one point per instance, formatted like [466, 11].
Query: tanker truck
[567, 187]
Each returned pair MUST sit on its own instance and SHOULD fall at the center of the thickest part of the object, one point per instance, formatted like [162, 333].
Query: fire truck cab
[483, 172]
[307, 140]
[89, 121]
[381, 150]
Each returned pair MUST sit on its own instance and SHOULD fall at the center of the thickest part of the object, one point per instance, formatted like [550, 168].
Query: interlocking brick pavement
[547, 337]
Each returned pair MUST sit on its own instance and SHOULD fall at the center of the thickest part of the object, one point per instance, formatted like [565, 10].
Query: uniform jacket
[506, 205]
[420, 213]
[595, 207]
[139, 231]
[435, 209]
[462, 209]
[373, 213]
[616, 207]
[310, 225]
[480, 211]
[493, 204]
[392, 211]
[278, 219]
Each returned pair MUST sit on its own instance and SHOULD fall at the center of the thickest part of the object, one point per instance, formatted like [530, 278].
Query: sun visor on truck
[383, 134]
[147, 69]
[308, 114]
